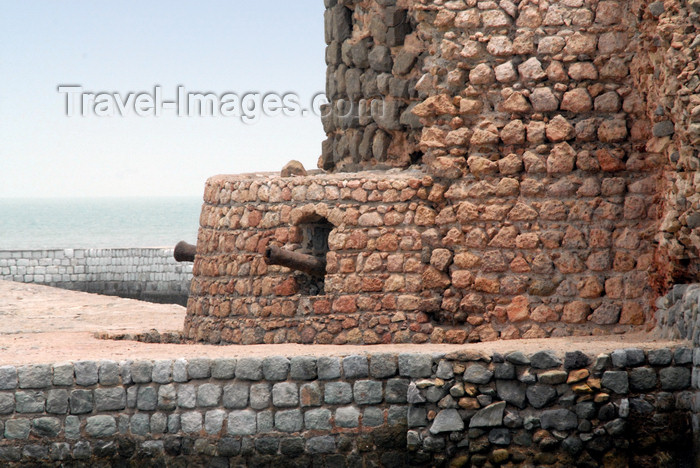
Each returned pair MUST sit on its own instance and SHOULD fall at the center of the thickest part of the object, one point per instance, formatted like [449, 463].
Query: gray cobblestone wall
[467, 409]
[677, 317]
[141, 273]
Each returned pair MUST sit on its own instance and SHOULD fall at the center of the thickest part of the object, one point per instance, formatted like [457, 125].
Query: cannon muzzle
[296, 261]
[184, 252]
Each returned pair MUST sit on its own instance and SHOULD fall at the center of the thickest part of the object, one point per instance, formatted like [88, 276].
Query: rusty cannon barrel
[296, 261]
[184, 252]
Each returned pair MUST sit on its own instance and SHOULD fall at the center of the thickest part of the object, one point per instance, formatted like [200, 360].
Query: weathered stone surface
[101, 426]
[545, 360]
[559, 419]
[490, 416]
[447, 420]
[617, 381]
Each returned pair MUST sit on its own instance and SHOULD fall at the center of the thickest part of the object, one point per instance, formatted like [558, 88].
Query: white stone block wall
[144, 273]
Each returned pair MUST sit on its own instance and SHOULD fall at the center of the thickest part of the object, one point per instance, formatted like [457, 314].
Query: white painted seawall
[141, 273]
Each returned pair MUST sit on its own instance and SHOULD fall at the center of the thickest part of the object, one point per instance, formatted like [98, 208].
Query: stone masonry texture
[463, 409]
[544, 163]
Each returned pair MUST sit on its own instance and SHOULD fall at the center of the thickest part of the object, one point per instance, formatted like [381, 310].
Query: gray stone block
[414, 395]
[141, 371]
[347, 417]
[674, 378]
[289, 420]
[236, 395]
[415, 365]
[17, 428]
[318, 419]
[147, 399]
[617, 381]
[199, 368]
[338, 393]
[540, 395]
[81, 401]
[512, 392]
[372, 417]
[72, 427]
[576, 360]
[660, 357]
[108, 373]
[7, 403]
[417, 416]
[159, 423]
[444, 370]
[328, 367]
[191, 422]
[86, 373]
[367, 392]
[180, 371]
[229, 447]
[34, 376]
[167, 397]
[397, 416]
[125, 372]
[82, 450]
[249, 369]
[30, 401]
[56, 401]
[682, 356]
[504, 371]
[491, 416]
[559, 419]
[186, 396]
[214, 421]
[477, 374]
[208, 395]
[242, 422]
[46, 426]
[285, 394]
[383, 365]
[223, 368]
[642, 379]
[265, 422]
[173, 423]
[320, 445]
[8, 378]
[396, 390]
[518, 358]
[101, 426]
[546, 359]
[131, 396]
[162, 371]
[303, 368]
[447, 420]
[355, 367]
[275, 368]
[110, 399]
[140, 424]
[260, 395]
[554, 377]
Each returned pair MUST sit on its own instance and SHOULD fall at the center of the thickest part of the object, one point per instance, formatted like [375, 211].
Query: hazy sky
[227, 46]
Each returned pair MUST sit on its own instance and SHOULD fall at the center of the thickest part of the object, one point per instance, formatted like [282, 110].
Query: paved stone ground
[39, 324]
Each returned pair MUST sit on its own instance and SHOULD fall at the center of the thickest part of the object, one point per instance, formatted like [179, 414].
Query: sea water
[27, 224]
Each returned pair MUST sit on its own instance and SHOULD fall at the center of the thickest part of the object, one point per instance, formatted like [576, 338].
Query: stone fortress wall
[553, 152]
[626, 408]
[149, 274]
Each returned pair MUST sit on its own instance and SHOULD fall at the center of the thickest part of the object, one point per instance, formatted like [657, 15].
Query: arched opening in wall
[306, 257]
[314, 234]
